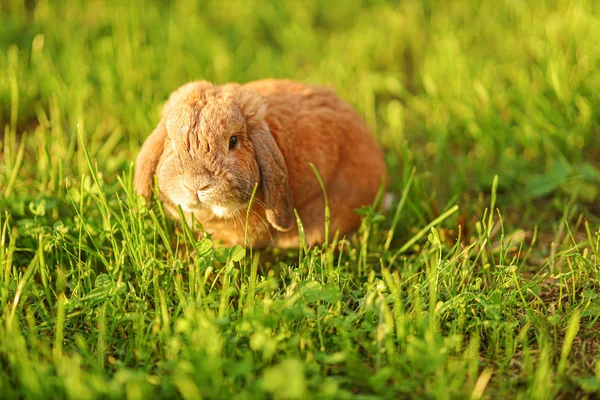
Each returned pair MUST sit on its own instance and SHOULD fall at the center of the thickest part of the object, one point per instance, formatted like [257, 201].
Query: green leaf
[331, 294]
[335, 358]
[434, 237]
[221, 254]
[103, 281]
[285, 380]
[589, 172]
[311, 291]
[205, 247]
[590, 385]
[542, 185]
[237, 253]
[593, 310]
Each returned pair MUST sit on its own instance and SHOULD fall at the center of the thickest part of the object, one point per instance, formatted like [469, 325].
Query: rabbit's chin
[221, 212]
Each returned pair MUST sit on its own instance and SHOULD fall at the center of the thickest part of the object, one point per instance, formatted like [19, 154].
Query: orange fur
[283, 127]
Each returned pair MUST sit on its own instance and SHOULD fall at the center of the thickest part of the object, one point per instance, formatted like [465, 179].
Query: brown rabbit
[214, 143]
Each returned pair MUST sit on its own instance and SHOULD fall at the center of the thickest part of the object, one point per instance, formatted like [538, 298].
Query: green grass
[482, 281]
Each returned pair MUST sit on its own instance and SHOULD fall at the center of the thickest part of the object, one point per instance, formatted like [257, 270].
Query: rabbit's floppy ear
[274, 179]
[180, 121]
[190, 94]
[147, 160]
[271, 164]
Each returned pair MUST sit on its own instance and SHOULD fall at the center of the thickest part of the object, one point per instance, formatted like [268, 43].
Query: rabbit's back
[312, 125]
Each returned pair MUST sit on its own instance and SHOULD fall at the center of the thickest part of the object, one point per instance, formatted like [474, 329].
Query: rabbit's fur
[281, 127]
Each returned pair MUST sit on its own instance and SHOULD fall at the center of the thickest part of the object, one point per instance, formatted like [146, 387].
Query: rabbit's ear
[181, 122]
[274, 180]
[190, 94]
[147, 160]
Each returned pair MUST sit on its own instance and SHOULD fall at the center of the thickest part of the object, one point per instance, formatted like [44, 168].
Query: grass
[482, 281]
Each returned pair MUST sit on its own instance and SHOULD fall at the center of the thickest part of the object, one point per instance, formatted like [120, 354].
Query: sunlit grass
[482, 280]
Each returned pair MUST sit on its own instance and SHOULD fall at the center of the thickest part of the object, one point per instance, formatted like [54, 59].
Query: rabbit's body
[308, 125]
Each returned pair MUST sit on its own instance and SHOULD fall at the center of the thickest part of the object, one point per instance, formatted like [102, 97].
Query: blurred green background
[465, 89]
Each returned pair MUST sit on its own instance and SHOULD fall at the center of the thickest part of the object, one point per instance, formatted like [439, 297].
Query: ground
[481, 281]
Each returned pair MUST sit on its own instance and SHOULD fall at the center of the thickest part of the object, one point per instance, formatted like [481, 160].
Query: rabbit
[214, 144]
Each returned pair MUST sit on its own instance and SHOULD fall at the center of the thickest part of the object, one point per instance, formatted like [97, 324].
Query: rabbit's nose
[203, 191]
[204, 187]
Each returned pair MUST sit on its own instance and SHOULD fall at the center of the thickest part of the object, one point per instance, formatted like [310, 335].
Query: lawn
[481, 281]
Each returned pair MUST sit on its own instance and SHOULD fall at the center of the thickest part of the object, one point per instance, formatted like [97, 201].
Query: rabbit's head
[219, 147]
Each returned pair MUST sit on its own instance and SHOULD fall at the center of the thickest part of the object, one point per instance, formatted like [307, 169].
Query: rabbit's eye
[233, 142]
